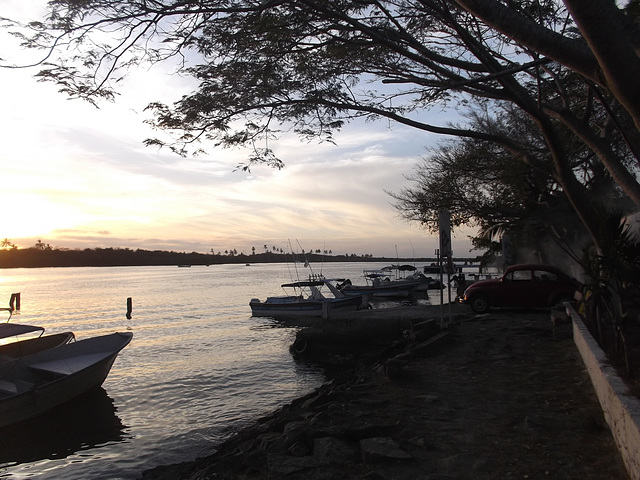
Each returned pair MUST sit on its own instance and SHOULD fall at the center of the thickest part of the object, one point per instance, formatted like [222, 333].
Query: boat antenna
[324, 249]
[413, 250]
[295, 261]
[289, 268]
[306, 260]
[397, 262]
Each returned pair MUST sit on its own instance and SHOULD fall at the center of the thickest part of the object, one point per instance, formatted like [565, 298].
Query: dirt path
[503, 399]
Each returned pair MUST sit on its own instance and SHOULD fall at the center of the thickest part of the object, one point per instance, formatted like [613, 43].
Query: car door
[516, 288]
[547, 284]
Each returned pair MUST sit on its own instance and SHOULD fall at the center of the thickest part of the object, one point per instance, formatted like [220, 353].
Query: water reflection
[284, 322]
[85, 422]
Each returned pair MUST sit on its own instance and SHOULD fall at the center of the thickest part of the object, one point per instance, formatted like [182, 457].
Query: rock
[380, 450]
[393, 368]
[431, 345]
[272, 442]
[286, 465]
[465, 463]
[333, 450]
[294, 441]
[428, 398]
[299, 449]
[360, 430]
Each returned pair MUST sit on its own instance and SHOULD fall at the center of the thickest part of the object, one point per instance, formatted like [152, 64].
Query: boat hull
[401, 290]
[298, 307]
[35, 384]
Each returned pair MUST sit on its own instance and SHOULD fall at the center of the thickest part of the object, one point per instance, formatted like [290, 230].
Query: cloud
[76, 176]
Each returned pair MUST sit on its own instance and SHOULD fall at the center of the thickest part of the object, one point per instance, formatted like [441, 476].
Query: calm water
[199, 366]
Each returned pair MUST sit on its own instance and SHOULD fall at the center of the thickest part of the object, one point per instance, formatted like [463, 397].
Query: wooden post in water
[14, 302]
[129, 308]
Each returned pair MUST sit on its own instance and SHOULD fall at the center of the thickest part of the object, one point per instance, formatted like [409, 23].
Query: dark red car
[526, 285]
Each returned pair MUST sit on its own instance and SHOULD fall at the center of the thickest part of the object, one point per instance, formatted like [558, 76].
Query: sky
[77, 176]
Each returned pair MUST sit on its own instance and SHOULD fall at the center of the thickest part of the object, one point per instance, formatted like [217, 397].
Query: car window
[521, 275]
[544, 276]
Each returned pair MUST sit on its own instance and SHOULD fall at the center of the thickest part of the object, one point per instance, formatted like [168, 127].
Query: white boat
[39, 382]
[385, 283]
[25, 344]
[307, 300]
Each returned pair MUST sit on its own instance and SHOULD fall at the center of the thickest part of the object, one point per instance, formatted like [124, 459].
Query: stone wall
[621, 409]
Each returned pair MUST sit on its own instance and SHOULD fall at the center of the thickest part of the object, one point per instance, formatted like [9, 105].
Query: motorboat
[41, 381]
[29, 339]
[385, 283]
[305, 299]
[443, 268]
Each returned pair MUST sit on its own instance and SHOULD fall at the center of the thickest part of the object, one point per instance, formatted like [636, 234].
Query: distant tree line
[37, 256]
[274, 249]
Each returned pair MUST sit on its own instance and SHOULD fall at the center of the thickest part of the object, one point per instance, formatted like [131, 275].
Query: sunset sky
[79, 177]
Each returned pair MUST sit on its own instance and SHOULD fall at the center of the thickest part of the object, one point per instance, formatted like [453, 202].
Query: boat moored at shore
[307, 300]
[383, 283]
[36, 383]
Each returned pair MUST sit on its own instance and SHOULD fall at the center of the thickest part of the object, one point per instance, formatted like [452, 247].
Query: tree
[309, 67]
[480, 185]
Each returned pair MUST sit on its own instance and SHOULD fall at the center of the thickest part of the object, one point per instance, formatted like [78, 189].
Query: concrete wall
[621, 409]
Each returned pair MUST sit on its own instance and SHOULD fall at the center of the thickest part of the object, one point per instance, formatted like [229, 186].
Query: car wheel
[479, 303]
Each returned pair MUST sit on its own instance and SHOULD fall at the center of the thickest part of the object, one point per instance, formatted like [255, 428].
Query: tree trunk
[573, 189]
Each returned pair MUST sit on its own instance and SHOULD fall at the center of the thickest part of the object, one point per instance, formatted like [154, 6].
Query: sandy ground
[505, 397]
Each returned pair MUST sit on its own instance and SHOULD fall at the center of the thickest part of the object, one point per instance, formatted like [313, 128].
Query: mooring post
[129, 308]
[14, 302]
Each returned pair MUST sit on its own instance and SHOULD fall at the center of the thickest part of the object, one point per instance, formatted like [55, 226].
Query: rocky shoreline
[496, 396]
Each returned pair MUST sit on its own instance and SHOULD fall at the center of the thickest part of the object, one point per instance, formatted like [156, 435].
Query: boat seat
[67, 366]
[15, 386]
